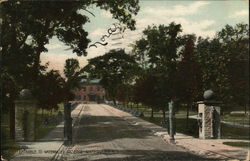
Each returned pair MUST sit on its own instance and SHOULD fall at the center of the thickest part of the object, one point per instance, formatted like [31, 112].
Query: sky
[203, 18]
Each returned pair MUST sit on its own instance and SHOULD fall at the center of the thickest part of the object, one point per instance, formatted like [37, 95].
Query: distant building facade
[90, 91]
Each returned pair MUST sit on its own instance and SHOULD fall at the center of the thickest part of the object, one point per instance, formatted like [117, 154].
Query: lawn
[238, 144]
[190, 127]
[46, 120]
[237, 119]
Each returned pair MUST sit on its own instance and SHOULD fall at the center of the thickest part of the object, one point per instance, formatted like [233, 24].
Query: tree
[224, 61]
[50, 92]
[145, 91]
[160, 45]
[73, 75]
[116, 70]
[189, 75]
[27, 26]
[235, 47]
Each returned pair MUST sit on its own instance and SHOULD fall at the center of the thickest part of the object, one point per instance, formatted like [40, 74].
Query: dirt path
[107, 134]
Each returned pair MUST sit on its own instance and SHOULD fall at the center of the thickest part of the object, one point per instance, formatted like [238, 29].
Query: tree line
[163, 65]
[167, 65]
[26, 29]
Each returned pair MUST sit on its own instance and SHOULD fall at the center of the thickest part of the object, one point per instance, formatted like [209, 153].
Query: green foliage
[224, 61]
[157, 53]
[50, 91]
[71, 68]
[189, 77]
[180, 67]
[73, 75]
[27, 26]
[116, 70]
[39, 21]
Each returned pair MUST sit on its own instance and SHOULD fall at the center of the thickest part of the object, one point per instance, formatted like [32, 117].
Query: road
[104, 133]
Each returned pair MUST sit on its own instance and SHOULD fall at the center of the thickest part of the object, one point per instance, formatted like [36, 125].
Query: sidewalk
[46, 148]
[211, 148]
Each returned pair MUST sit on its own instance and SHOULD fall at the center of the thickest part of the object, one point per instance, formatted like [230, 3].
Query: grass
[42, 130]
[238, 144]
[238, 119]
[191, 128]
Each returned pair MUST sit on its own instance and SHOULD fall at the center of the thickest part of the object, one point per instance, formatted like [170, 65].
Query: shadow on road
[106, 128]
[141, 155]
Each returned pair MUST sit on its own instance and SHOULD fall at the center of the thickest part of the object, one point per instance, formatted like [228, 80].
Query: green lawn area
[237, 119]
[191, 128]
[42, 129]
[238, 144]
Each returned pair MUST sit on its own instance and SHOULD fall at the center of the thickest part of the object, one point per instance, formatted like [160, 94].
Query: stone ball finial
[25, 94]
[208, 95]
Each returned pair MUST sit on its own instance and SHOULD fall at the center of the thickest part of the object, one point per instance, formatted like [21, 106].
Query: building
[90, 91]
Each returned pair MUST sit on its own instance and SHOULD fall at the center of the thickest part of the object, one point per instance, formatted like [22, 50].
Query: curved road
[104, 133]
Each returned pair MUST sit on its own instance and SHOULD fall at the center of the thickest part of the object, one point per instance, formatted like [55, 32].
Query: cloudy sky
[204, 18]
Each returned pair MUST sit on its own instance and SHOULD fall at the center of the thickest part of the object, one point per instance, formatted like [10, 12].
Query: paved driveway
[104, 133]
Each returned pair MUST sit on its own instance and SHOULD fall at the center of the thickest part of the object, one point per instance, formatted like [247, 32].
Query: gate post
[25, 116]
[67, 124]
[209, 117]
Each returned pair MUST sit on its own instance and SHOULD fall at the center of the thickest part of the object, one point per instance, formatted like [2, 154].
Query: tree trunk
[12, 120]
[12, 103]
[163, 114]
[187, 117]
[114, 101]
[152, 113]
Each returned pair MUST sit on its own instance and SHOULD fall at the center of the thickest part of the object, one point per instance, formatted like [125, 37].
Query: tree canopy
[224, 61]
[159, 48]
[115, 69]
[27, 26]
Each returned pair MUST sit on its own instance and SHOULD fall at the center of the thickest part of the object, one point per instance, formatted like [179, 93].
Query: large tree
[116, 69]
[27, 26]
[159, 47]
[225, 64]
[50, 92]
[189, 74]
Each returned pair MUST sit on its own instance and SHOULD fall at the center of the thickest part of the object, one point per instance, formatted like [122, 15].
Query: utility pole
[171, 121]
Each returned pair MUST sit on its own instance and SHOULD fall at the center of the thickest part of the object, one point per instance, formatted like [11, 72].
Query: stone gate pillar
[209, 117]
[25, 116]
